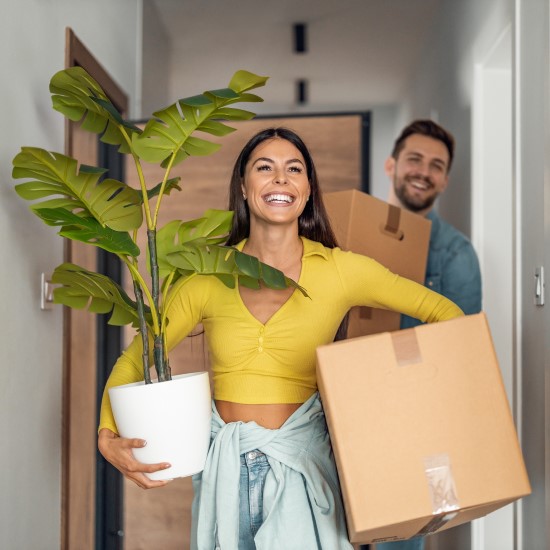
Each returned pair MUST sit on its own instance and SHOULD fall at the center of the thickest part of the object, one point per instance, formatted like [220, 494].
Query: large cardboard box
[421, 429]
[395, 237]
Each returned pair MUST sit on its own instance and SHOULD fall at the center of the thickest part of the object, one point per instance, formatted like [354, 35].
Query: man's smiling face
[419, 173]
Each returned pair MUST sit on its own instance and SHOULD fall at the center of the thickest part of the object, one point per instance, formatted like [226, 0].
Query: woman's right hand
[118, 451]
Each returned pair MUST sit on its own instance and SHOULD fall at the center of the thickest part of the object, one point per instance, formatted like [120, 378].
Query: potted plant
[103, 212]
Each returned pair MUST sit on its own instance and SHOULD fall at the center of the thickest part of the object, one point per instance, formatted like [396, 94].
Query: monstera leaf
[171, 184]
[85, 289]
[112, 203]
[89, 231]
[171, 133]
[211, 229]
[79, 97]
[196, 246]
[228, 264]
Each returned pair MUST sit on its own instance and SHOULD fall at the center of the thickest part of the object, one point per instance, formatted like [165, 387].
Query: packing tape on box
[406, 348]
[435, 524]
[443, 495]
[392, 223]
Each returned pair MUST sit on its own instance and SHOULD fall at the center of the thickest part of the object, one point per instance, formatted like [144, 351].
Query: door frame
[494, 234]
[79, 385]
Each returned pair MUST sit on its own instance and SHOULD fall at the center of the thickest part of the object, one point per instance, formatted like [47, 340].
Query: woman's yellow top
[274, 362]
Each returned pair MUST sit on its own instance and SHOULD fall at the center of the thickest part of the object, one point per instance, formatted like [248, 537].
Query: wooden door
[78, 522]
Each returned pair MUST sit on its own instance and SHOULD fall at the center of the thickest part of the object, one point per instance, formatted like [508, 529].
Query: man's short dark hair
[426, 128]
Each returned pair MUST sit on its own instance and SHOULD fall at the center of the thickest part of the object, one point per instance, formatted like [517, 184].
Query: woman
[270, 481]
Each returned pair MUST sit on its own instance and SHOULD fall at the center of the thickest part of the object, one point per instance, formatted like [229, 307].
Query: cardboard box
[395, 237]
[421, 429]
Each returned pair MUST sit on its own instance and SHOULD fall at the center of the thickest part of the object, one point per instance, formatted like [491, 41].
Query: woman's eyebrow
[294, 160]
[267, 159]
[263, 159]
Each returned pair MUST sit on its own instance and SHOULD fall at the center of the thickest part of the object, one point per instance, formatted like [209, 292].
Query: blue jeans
[416, 543]
[254, 469]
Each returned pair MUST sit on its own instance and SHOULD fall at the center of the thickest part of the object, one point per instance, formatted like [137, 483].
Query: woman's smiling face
[275, 183]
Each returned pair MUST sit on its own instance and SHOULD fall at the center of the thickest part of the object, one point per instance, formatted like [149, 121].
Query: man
[419, 171]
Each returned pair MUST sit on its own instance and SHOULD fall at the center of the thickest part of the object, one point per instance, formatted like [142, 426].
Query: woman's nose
[280, 177]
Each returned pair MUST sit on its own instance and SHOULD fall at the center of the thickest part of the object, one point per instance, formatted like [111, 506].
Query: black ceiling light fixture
[300, 46]
[300, 38]
[301, 91]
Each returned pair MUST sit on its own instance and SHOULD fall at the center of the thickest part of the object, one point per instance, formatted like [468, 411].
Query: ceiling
[371, 47]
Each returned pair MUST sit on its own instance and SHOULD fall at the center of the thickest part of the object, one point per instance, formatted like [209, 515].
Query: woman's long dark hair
[313, 222]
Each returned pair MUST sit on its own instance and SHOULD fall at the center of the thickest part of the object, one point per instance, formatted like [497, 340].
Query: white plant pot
[173, 417]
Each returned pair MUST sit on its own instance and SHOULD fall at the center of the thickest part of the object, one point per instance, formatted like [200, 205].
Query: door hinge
[46, 291]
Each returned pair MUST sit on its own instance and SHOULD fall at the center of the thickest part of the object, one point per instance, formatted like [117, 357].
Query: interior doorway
[494, 237]
[82, 352]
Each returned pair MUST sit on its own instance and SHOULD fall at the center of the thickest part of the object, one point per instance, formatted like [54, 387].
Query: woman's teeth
[279, 198]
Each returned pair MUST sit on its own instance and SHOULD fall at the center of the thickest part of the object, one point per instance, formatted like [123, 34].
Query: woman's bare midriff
[271, 416]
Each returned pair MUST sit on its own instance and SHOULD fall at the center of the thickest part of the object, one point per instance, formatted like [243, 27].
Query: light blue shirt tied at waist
[302, 502]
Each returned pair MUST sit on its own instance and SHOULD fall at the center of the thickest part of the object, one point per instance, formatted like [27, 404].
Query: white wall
[384, 130]
[32, 42]
[443, 85]
[359, 53]
[533, 192]
[494, 215]
[156, 63]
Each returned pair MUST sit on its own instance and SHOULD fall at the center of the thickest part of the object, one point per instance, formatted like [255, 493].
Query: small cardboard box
[421, 429]
[394, 237]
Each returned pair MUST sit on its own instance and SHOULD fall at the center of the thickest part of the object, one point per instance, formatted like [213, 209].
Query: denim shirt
[452, 268]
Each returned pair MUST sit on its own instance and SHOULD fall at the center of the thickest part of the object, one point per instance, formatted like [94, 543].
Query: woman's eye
[296, 169]
[264, 167]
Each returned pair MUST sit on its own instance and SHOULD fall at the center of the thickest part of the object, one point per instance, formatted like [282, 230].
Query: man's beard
[412, 203]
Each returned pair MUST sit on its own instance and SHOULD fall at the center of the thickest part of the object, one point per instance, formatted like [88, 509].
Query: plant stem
[146, 206]
[161, 361]
[159, 351]
[136, 275]
[141, 177]
[153, 263]
[144, 332]
[162, 188]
